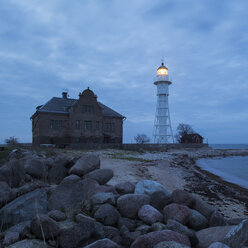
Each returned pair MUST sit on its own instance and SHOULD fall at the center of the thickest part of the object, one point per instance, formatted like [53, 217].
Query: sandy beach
[177, 170]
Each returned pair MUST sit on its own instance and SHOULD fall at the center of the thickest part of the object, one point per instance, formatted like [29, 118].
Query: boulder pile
[67, 202]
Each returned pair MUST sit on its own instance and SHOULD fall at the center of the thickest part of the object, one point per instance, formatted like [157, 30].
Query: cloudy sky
[115, 47]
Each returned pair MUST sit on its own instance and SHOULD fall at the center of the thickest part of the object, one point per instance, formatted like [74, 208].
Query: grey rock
[218, 245]
[176, 212]
[143, 229]
[212, 234]
[107, 214]
[85, 164]
[101, 198]
[111, 232]
[24, 208]
[58, 170]
[130, 237]
[129, 223]
[44, 227]
[159, 195]
[28, 243]
[98, 231]
[217, 219]
[130, 204]
[5, 193]
[234, 221]
[203, 207]
[153, 238]
[12, 173]
[238, 235]
[170, 244]
[23, 228]
[125, 188]
[183, 197]
[197, 221]
[106, 243]
[158, 226]
[70, 179]
[102, 176]
[57, 215]
[149, 214]
[81, 218]
[36, 168]
[10, 238]
[178, 227]
[72, 234]
[70, 193]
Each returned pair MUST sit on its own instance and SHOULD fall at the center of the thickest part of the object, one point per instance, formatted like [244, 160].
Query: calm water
[231, 169]
[229, 146]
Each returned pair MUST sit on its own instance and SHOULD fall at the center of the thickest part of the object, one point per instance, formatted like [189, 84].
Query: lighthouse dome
[162, 70]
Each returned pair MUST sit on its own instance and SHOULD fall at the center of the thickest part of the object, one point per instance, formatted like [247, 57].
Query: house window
[77, 126]
[97, 125]
[109, 127]
[56, 124]
[87, 125]
[88, 109]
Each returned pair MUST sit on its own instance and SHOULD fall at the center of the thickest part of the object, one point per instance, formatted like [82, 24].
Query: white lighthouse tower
[162, 132]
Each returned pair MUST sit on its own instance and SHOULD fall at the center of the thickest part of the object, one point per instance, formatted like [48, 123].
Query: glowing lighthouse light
[162, 132]
[162, 70]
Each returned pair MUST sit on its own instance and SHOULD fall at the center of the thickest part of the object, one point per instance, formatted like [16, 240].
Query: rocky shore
[75, 200]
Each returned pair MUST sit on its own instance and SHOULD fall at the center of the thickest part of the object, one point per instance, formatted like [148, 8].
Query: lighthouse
[162, 131]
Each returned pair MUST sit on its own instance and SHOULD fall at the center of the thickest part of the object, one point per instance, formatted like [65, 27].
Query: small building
[192, 138]
[63, 120]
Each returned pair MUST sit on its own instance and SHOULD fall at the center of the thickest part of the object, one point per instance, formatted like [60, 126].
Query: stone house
[63, 121]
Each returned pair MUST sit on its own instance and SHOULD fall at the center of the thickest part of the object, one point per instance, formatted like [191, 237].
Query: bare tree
[142, 139]
[182, 130]
[12, 141]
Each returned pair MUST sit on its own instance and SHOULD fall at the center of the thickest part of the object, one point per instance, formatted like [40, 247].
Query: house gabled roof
[191, 135]
[62, 105]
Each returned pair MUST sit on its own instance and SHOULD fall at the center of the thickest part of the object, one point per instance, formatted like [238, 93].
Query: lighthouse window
[87, 125]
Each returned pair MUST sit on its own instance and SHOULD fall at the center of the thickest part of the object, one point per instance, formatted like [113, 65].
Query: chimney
[64, 95]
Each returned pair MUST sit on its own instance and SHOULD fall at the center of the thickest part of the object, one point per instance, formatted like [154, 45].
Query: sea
[233, 169]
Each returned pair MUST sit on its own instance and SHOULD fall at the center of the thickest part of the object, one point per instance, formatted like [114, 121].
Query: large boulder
[153, 238]
[129, 223]
[28, 243]
[125, 188]
[159, 195]
[112, 233]
[102, 176]
[44, 227]
[36, 168]
[212, 234]
[176, 212]
[102, 197]
[149, 214]
[58, 170]
[238, 235]
[72, 234]
[217, 219]
[24, 208]
[12, 173]
[85, 164]
[70, 193]
[5, 193]
[10, 238]
[178, 227]
[57, 215]
[170, 244]
[183, 197]
[106, 243]
[203, 207]
[130, 204]
[107, 214]
[197, 221]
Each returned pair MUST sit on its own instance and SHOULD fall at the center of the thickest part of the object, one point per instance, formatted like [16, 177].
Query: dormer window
[88, 109]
